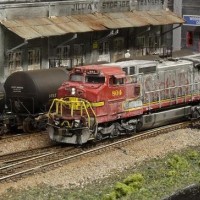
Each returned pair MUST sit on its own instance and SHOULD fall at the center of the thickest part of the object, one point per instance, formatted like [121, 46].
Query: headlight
[76, 123]
[73, 91]
[56, 122]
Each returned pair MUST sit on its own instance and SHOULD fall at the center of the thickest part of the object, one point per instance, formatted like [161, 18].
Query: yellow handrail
[74, 104]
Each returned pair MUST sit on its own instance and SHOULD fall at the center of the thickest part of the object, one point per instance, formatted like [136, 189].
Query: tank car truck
[105, 101]
[28, 97]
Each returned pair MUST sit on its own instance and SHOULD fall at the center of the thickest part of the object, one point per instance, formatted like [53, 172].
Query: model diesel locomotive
[101, 101]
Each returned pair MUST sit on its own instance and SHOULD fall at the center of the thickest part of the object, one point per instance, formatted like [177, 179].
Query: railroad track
[22, 155]
[20, 136]
[11, 167]
[18, 169]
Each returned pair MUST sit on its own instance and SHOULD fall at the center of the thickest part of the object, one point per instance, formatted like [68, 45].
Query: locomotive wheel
[27, 125]
[139, 126]
[99, 136]
[114, 133]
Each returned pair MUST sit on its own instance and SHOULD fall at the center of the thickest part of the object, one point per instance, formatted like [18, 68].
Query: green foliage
[129, 185]
[134, 178]
[171, 173]
[177, 162]
[193, 155]
[111, 196]
[122, 189]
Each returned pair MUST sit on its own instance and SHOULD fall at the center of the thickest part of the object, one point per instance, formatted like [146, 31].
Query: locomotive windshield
[77, 77]
[87, 79]
[95, 79]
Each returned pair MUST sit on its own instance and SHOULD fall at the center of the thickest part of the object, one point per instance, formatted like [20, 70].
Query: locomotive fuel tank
[29, 92]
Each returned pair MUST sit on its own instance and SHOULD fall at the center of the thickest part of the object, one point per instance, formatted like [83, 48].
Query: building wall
[72, 49]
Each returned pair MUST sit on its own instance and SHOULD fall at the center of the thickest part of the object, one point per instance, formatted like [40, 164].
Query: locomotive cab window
[77, 78]
[116, 80]
[95, 79]
[129, 70]
[125, 69]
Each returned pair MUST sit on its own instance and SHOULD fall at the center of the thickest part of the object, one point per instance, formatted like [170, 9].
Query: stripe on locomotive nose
[97, 104]
[93, 104]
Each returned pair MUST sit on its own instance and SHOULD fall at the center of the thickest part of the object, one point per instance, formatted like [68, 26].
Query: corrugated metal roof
[45, 27]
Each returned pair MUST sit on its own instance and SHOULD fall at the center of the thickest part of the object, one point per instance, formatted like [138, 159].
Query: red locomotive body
[105, 88]
[101, 101]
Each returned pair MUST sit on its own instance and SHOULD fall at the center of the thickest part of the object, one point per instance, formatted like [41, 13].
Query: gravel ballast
[95, 168]
[42, 140]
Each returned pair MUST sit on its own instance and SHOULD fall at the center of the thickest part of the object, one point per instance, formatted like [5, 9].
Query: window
[78, 54]
[116, 81]
[132, 70]
[118, 45]
[34, 57]
[62, 52]
[103, 48]
[95, 79]
[59, 52]
[189, 38]
[147, 70]
[77, 78]
[15, 60]
[129, 70]
[78, 50]
[125, 69]
[140, 42]
[151, 42]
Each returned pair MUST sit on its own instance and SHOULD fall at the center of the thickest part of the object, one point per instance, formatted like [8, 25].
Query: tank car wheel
[12, 129]
[27, 125]
[3, 130]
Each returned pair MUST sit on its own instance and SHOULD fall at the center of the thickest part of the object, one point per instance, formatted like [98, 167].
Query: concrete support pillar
[177, 32]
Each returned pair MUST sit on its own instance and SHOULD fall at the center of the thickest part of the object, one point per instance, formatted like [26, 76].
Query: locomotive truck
[105, 101]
